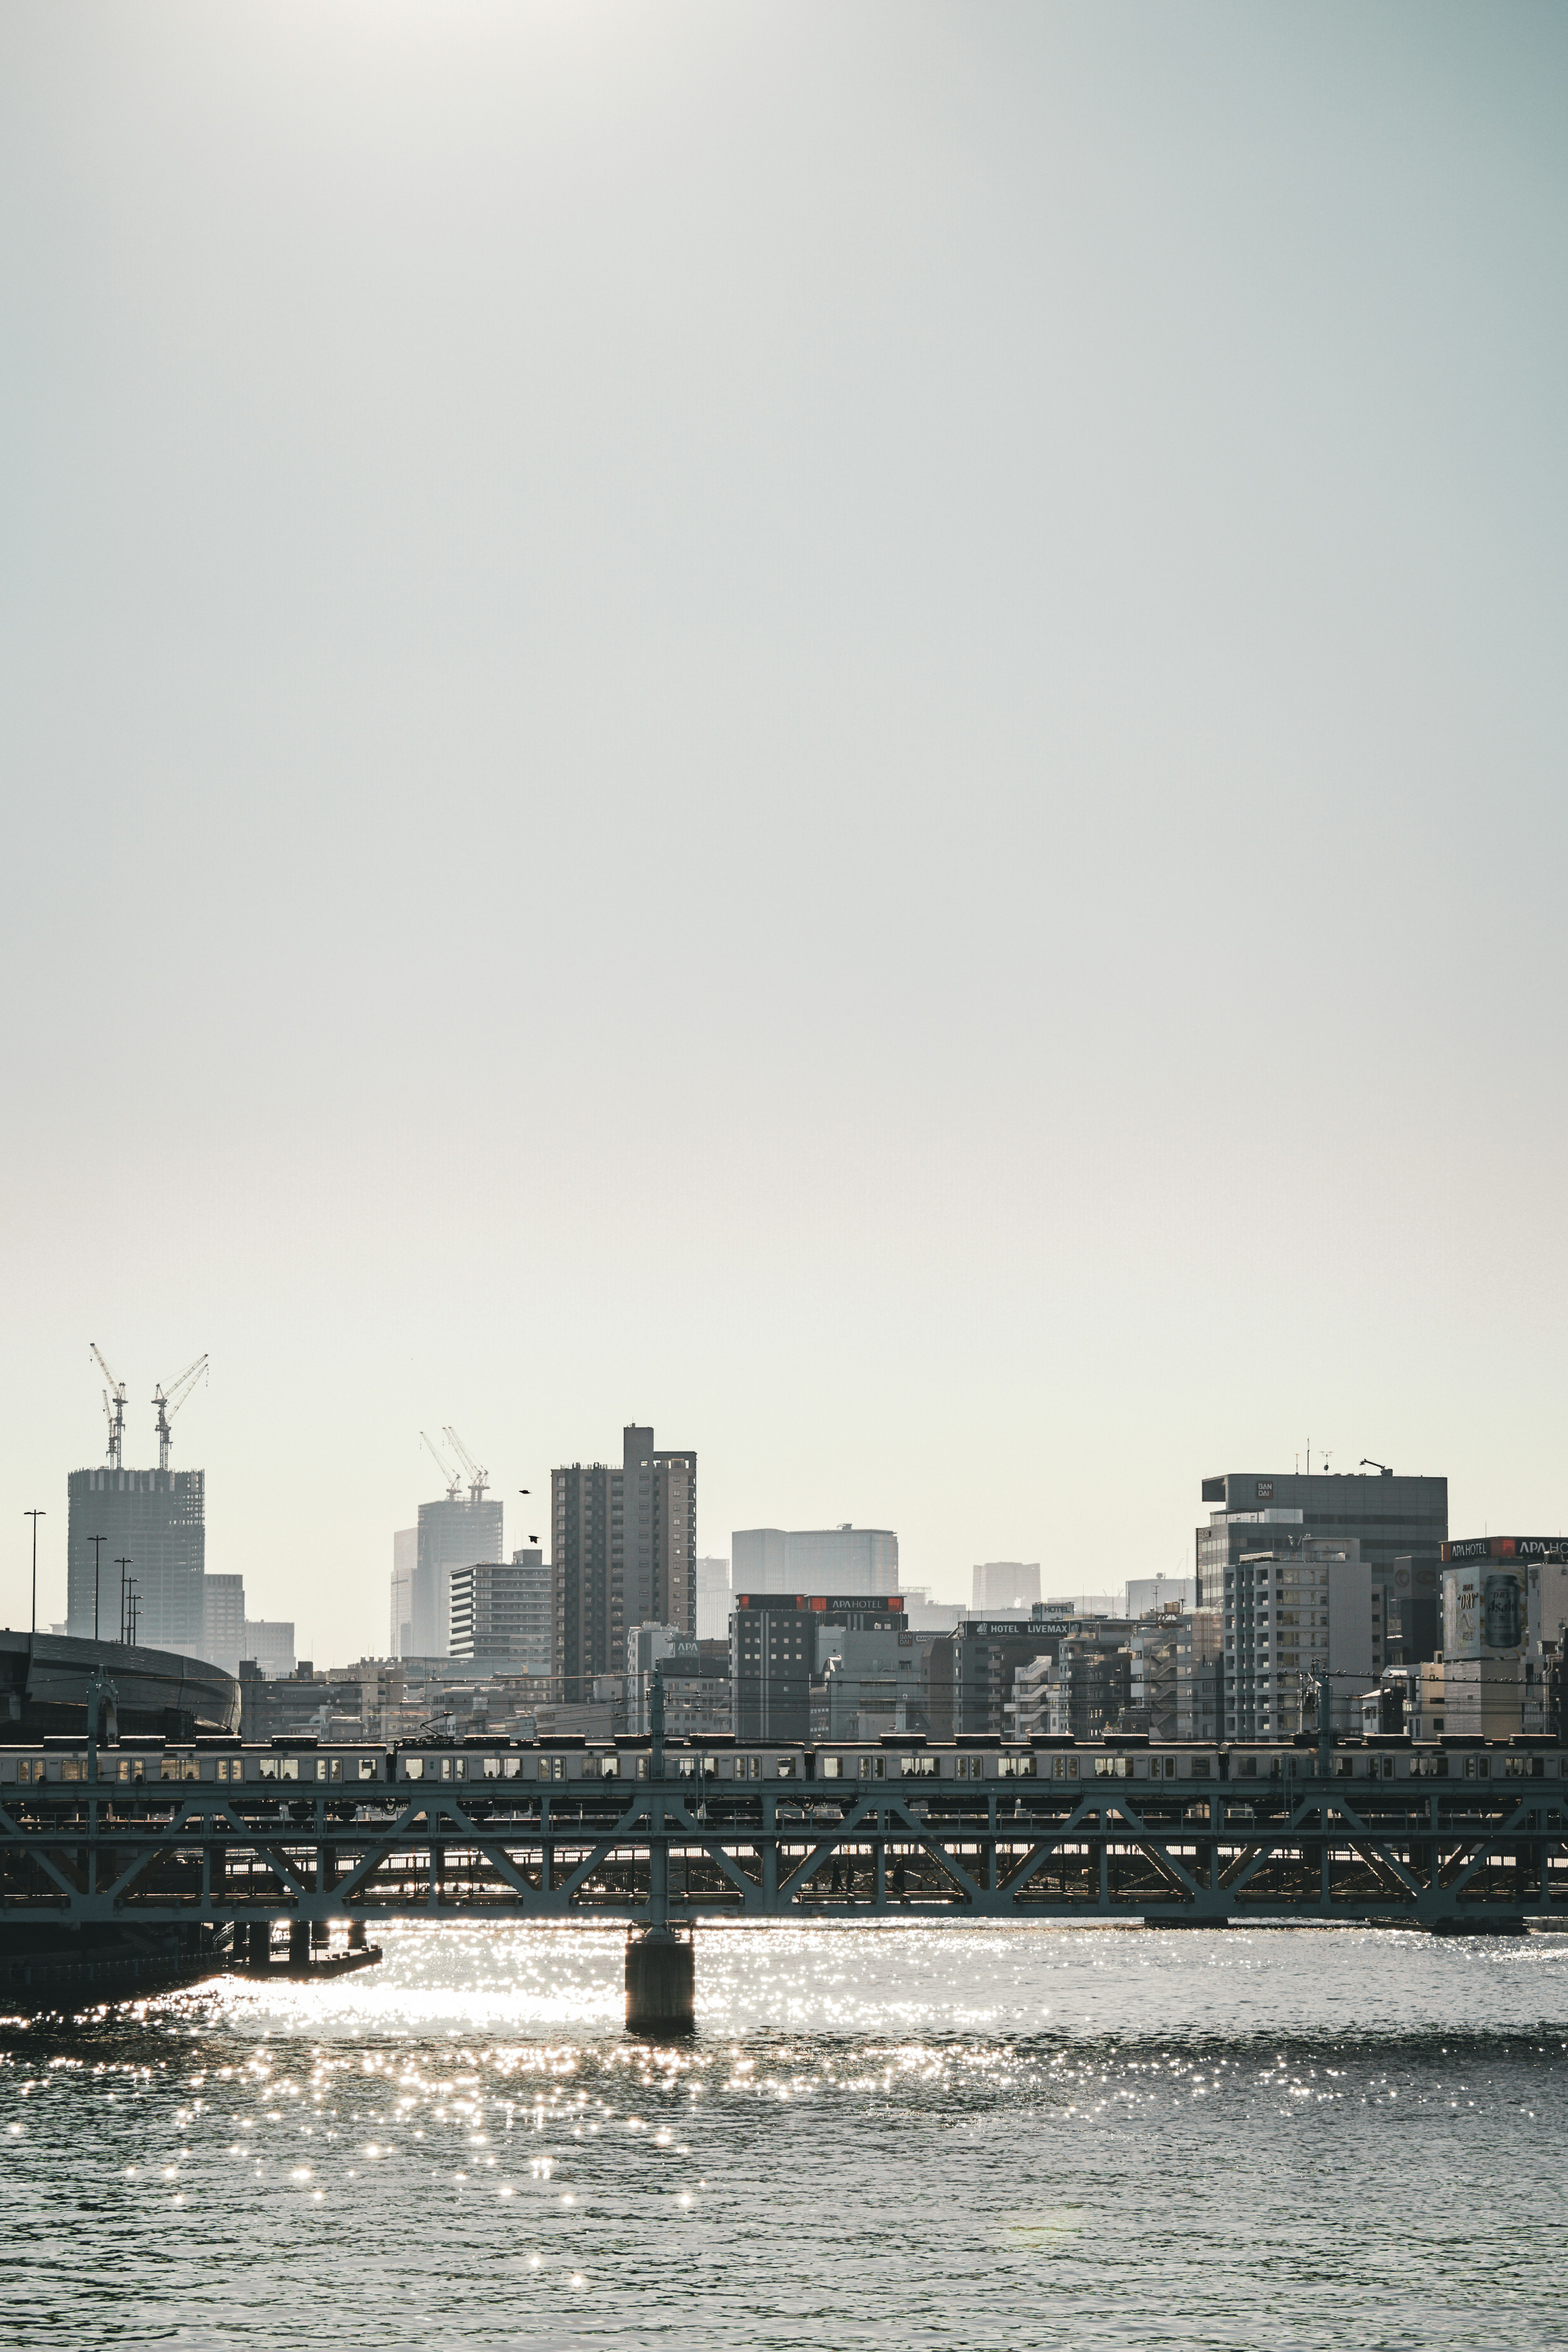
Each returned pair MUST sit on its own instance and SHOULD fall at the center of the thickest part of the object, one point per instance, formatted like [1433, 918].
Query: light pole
[98, 1543]
[35, 1516]
[122, 1565]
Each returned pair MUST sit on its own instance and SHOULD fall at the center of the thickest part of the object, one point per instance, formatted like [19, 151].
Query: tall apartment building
[223, 1621]
[850, 1561]
[455, 1532]
[624, 1544]
[157, 1520]
[504, 1612]
[1004, 1588]
[1300, 1609]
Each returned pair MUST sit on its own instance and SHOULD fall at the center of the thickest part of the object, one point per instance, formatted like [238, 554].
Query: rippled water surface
[978, 2138]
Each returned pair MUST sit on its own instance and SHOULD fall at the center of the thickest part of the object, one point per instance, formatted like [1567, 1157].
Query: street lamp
[35, 1516]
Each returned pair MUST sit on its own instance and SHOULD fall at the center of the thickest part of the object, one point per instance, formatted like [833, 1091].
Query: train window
[784, 1767]
[1064, 1768]
[180, 1768]
[748, 1768]
[1388, 1768]
[917, 1768]
[510, 1767]
[413, 1767]
[1170, 1767]
[966, 1768]
[328, 1767]
[687, 1767]
[1200, 1768]
[1017, 1768]
[130, 1768]
[492, 1768]
[829, 1767]
[25, 1769]
[1112, 1768]
[367, 1767]
[72, 1769]
[873, 1767]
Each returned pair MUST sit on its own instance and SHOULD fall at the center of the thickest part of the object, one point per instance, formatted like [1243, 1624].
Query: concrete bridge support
[661, 1983]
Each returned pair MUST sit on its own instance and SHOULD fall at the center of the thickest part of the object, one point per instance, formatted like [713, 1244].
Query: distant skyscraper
[405, 1560]
[156, 1519]
[712, 1600]
[1005, 1587]
[624, 1549]
[270, 1641]
[223, 1625]
[453, 1533]
[844, 1559]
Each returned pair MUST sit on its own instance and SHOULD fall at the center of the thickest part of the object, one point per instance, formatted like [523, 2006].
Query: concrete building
[156, 1519]
[713, 1595]
[405, 1560]
[870, 1682]
[456, 1532]
[1087, 1688]
[928, 1616]
[695, 1678]
[223, 1621]
[852, 1562]
[504, 1612]
[624, 1553]
[1004, 1588]
[1299, 1609]
[775, 1641]
[1505, 1604]
[971, 1671]
[269, 1646]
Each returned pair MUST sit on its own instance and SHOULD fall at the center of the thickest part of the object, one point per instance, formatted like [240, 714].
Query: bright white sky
[840, 727]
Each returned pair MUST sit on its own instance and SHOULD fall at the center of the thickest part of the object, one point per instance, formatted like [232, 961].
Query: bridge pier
[661, 1983]
[299, 1943]
[259, 1955]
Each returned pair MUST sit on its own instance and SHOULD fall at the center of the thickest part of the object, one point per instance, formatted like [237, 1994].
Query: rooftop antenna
[450, 1478]
[478, 1479]
[114, 1409]
[168, 1403]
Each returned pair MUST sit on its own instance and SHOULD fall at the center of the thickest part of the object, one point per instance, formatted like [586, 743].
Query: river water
[981, 2138]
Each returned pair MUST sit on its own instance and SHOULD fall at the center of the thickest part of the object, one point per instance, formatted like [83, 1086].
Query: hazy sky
[840, 726]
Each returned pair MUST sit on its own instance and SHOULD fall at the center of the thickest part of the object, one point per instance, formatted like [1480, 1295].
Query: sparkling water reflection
[945, 2137]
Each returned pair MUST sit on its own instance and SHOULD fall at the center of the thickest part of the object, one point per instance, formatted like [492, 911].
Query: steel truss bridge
[1443, 1855]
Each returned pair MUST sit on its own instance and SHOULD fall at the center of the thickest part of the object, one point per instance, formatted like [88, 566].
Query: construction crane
[478, 1479]
[169, 1401]
[451, 1479]
[114, 1409]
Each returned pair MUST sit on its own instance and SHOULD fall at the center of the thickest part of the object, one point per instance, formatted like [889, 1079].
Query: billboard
[1483, 1610]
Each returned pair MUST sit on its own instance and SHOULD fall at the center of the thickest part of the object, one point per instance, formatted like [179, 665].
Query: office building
[713, 1592]
[156, 1521]
[1391, 1519]
[774, 1641]
[624, 1543]
[1004, 1588]
[223, 1621]
[269, 1646]
[405, 1560]
[503, 1612]
[852, 1562]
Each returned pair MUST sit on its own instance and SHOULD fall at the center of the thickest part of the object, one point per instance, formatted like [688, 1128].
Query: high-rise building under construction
[624, 1549]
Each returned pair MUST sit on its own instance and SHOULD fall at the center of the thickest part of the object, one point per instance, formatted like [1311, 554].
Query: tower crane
[114, 1409]
[169, 1401]
[450, 1478]
[478, 1479]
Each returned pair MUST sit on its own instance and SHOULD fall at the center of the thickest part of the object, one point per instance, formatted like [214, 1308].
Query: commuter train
[729, 1766]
